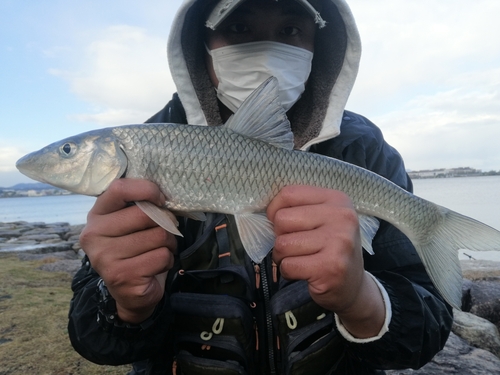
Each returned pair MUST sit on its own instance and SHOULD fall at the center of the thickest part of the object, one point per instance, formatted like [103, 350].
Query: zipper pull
[275, 271]
[256, 330]
[256, 267]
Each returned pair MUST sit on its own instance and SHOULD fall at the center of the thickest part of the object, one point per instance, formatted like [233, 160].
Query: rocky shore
[473, 346]
[39, 238]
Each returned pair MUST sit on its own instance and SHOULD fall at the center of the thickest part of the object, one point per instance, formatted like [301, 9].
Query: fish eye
[67, 149]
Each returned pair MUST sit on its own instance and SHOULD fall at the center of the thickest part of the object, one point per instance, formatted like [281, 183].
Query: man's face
[283, 21]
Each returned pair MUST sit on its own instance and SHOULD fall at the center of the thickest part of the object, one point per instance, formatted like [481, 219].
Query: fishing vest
[232, 316]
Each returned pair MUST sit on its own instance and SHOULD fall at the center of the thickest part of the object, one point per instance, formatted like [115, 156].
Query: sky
[429, 74]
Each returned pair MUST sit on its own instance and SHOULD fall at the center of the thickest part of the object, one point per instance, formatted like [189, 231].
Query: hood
[316, 116]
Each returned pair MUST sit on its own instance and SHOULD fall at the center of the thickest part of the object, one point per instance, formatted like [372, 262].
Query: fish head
[84, 164]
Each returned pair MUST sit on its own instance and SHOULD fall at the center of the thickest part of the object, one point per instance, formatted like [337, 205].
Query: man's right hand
[128, 250]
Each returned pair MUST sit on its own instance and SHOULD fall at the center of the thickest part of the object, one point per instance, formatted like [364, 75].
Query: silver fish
[238, 168]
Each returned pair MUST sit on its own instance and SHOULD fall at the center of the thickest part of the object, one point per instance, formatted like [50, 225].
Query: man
[316, 304]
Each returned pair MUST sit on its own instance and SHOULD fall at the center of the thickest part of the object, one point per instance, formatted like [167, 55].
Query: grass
[33, 318]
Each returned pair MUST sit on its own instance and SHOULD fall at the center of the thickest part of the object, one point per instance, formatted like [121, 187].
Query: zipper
[269, 320]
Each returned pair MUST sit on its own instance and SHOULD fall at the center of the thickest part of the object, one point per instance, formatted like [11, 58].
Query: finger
[301, 218]
[119, 223]
[322, 267]
[299, 195]
[140, 282]
[123, 191]
[298, 244]
[310, 217]
[105, 253]
[339, 238]
[300, 267]
[148, 265]
[141, 242]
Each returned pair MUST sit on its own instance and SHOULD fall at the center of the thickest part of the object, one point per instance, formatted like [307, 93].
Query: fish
[239, 167]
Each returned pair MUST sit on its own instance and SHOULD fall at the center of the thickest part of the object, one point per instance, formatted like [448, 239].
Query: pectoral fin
[161, 216]
[256, 234]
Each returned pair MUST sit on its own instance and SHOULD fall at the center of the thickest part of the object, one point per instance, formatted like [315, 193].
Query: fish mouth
[26, 165]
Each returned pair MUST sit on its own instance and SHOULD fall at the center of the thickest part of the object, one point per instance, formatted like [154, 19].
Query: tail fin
[440, 253]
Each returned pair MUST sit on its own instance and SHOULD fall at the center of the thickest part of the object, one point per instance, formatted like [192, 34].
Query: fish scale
[253, 172]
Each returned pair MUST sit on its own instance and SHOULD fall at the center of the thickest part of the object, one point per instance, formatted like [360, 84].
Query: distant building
[445, 173]
[34, 193]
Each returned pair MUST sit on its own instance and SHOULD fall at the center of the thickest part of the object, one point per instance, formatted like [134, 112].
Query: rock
[481, 289]
[74, 232]
[466, 295]
[40, 237]
[74, 237]
[77, 247]
[59, 229]
[477, 331]
[36, 237]
[485, 300]
[12, 245]
[57, 224]
[11, 233]
[458, 358]
[38, 248]
[55, 243]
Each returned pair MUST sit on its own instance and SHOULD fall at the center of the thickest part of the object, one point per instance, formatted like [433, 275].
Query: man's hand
[318, 240]
[127, 249]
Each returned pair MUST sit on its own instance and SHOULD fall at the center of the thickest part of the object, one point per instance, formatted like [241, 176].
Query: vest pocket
[213, 332]
[187, 364]
[307, 336]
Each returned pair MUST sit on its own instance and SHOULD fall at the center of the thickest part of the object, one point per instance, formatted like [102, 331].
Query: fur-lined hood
[318, 113]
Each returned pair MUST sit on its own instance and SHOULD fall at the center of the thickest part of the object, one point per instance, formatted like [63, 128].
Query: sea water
[476, 197]
[72, 209]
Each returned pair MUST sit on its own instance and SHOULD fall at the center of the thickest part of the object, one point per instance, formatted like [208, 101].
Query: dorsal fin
[261, 116]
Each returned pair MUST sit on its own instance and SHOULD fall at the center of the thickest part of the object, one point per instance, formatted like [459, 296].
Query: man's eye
[238, 28]
[290, 31]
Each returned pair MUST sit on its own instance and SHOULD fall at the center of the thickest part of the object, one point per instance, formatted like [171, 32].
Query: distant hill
[30, 186]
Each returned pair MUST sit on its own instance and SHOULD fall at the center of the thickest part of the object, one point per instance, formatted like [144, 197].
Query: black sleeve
[111, 344]
[421, 320]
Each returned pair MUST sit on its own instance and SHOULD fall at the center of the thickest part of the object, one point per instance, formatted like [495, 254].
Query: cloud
[429, 78]
[123, 75]
[9, 175]
[410, 47]
[452, 128]
[8, 157]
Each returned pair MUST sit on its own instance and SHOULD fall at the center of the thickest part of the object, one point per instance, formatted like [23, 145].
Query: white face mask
[241, 68]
